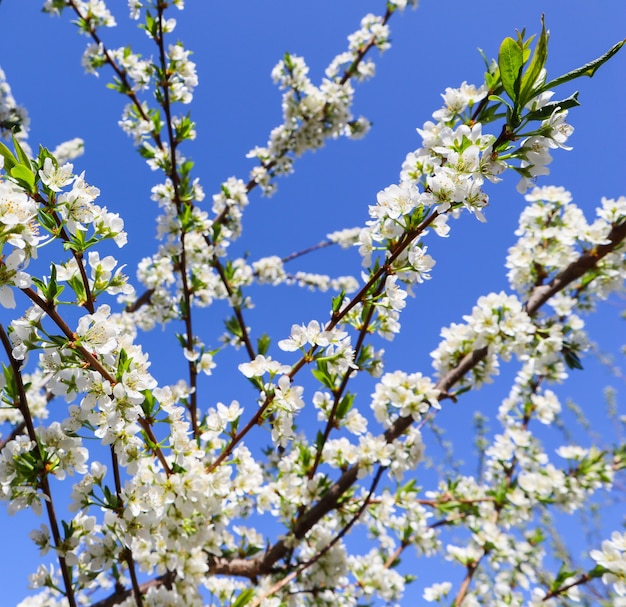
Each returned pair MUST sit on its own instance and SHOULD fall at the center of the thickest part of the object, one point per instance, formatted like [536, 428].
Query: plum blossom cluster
[517, 453]
[184, 79]
[23, 231]
[509, 552]
[373, 32]
[35, 388]
[21, 461]
[334, 351]
[345, 238]
[139, 71]
[135, 6]
[94, 13]
[76, 206]
[437, 180]
[517, 460]
[456, 156]
[312, 335]
[403, 394]
[284, 398]
[68, 150]
[552, 234]
[498, 323]
[312, 114]
[111, 391]
[323, 283]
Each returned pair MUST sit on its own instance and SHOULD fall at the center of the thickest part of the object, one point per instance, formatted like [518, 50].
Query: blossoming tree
[311, 485]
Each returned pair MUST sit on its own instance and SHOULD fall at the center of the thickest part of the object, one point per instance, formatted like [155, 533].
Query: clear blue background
[235, 45]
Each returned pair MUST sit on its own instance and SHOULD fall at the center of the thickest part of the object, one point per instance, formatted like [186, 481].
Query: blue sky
[235, 45]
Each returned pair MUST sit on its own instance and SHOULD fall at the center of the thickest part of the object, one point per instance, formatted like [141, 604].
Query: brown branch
[467, 580]
[127, 554]
[141, 301]
[315, 247]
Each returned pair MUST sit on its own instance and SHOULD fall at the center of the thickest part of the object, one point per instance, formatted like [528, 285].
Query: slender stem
[121, 74]
[175, 178]
[583, 579]
[127, 554]
[245, 337]
[315, 247]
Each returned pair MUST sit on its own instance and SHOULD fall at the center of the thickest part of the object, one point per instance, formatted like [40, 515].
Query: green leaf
[9, 160]
[563, 574]
[537, 537]
[187, 219]
[46, 219]
[490, 114]
[319, 441]
[547, 110]
[53, 286]
[492, 80]
[345, 405]
[501, 100]
[597, 571]
[151, 26]
[485, 58]
[24, 175]
[9, 380]
[525, 44]
[123, 363]
[337, 301]
[150, 405]
[233, 327]
[510, 62]
[177, 468]
[589, 69]
[21, 155]
[572, 360]
[537, 63]
[244, 598]
[322, 375]
[263, 343]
